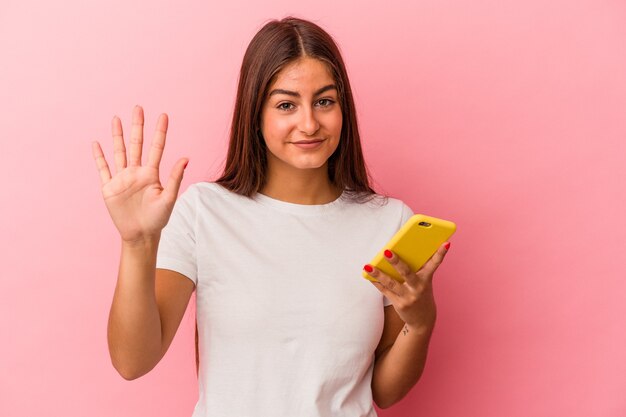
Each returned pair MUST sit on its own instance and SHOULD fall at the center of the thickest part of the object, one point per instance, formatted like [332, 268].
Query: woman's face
[302, 105]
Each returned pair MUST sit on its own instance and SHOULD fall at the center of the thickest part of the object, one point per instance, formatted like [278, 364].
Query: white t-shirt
[287, 326]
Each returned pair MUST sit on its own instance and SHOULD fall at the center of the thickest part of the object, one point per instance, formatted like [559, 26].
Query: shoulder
[401, 210]
[202, 190]
[201, 187]
[209, 188]
[210, 197]
[384, 202]
[384, 207]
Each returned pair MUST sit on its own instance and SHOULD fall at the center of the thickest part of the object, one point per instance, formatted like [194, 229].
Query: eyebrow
[296, 94]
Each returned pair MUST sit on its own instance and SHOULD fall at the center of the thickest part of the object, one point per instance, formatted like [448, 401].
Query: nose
[308, 123]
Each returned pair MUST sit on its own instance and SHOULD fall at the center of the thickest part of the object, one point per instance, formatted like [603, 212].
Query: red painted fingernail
[185, 164]
[368, 268]
[447, 246]
[388, 253]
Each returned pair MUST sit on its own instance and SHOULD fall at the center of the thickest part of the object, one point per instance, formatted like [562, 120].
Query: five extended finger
[101, 163]
[158, 142]
[136, 137]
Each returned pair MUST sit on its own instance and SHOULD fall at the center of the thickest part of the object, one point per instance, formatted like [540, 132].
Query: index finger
[402, 267]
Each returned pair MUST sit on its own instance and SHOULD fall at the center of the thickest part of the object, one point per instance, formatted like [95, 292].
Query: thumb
[176, 176]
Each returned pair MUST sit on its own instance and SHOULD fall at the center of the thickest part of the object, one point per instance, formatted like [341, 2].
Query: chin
[308, 164]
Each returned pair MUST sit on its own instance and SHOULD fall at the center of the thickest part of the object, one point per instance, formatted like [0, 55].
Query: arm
[147, 309]
[147, 304]
[134, 328]
[399, 365]
[400, 362]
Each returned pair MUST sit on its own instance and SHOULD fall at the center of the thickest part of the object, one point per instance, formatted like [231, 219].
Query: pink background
[507, 117]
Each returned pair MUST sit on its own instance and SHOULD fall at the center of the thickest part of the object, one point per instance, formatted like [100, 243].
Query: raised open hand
[139, 206]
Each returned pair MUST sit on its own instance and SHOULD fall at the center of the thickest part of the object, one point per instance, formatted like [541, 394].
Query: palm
[139, 206]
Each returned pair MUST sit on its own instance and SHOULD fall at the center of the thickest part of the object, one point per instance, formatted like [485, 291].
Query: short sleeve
[177, 247]
[406, 215]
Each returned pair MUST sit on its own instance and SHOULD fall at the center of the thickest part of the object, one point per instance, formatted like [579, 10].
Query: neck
[300, 186]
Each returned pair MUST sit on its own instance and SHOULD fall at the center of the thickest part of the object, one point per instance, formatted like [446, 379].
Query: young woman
[286, 324]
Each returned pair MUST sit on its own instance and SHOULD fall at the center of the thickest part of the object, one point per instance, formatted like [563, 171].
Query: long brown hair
[277, 44]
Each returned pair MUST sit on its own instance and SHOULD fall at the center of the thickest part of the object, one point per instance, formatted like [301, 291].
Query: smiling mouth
[302, 142]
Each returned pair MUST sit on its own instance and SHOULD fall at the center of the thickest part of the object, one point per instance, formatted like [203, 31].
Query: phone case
[416, 241]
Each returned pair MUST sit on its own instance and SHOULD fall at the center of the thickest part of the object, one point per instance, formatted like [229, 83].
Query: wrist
[420, 328]
[147, 242]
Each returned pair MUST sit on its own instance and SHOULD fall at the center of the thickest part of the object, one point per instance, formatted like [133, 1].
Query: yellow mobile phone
[416, 241]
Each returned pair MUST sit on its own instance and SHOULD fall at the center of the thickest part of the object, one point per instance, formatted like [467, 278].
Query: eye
[324, 102]
[327, 100]
[280, 106]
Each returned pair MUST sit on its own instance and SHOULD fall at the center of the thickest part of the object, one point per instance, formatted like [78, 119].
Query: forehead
[304, 74]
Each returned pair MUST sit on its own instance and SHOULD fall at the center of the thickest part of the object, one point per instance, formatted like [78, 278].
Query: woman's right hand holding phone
[139, 206]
